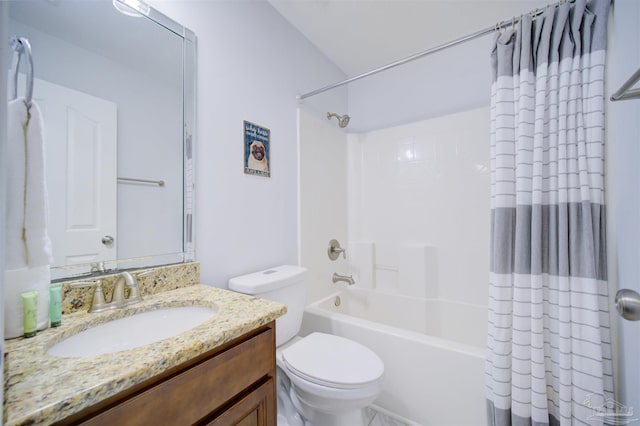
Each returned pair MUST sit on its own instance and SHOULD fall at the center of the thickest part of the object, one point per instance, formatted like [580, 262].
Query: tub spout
[346, 278]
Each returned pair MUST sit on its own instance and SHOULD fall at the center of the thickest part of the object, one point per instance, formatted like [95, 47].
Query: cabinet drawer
[193, 394]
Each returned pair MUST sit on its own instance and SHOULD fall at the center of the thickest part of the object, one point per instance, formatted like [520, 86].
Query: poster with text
[256, 149]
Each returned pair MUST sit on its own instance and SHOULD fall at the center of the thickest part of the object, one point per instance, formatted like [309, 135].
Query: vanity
[231, 384]
[221, 372]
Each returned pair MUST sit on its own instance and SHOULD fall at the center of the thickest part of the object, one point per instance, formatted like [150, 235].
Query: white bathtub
[433, 351]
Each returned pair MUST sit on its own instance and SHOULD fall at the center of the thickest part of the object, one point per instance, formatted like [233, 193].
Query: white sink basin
[132, 332]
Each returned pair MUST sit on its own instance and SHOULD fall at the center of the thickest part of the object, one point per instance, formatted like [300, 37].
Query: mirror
[116, 91]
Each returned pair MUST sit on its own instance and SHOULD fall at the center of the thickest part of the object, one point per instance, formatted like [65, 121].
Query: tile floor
[376, 418]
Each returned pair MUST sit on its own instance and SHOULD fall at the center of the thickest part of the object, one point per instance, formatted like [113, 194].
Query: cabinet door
[195, 393]
[254, 409]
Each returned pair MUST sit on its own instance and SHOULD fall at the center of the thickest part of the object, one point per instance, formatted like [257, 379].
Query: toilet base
[294, 412]
[351, 418]
[314, 417]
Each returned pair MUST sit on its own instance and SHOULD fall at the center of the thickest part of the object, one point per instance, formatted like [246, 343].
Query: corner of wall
[4, 11]
[623, 198]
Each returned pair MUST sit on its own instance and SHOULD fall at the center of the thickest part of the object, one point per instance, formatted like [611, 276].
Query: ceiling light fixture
[134, 8]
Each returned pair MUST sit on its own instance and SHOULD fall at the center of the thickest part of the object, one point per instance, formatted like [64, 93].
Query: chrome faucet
[98, 267]
[346, 278]
[99, 304]
[334, 250]
[118, 299]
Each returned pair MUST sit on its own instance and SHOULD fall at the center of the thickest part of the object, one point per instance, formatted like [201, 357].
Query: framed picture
[257, 140]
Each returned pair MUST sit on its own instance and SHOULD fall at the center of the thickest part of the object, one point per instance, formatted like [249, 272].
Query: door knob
[108, 240]
[628, 304]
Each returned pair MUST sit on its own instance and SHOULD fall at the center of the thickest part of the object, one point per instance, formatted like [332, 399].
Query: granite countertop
[42, 389]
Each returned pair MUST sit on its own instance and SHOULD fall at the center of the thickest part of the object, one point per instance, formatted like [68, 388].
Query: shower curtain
[549, 350]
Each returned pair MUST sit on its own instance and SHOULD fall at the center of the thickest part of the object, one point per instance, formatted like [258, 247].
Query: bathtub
[433, 351]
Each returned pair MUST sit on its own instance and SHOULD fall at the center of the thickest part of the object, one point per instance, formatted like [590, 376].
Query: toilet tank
[285, 284]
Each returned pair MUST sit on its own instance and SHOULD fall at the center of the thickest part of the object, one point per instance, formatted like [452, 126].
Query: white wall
[323, 200]
[435, 195]
[425, 183]
[623, 190]
[149, 136]
[453, 80]
[251, 65]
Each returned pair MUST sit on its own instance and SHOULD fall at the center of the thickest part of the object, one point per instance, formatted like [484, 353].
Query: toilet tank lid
[267, 280]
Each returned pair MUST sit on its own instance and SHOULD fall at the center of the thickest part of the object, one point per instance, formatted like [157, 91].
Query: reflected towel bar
[154, 182]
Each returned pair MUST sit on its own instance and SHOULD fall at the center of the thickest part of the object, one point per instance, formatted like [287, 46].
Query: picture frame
[257, 144]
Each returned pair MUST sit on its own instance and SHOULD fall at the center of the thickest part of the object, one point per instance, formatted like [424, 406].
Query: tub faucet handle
[334, 250]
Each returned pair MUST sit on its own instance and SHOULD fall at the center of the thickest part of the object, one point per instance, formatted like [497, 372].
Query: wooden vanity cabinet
[234, 384]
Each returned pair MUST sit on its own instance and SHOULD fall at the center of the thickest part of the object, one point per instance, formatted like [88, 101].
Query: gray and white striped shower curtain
[549, 348]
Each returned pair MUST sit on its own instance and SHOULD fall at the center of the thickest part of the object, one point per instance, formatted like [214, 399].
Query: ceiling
[359, 35]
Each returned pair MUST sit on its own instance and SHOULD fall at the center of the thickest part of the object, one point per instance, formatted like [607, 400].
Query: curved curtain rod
[625, 91]
[534, 13]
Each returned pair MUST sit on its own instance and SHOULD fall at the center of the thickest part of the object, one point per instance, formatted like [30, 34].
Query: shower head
[343, 120]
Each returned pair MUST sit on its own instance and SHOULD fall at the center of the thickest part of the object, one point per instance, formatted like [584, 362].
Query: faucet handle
[334, 250]
[98, 267]
[98, 303]
[143, 273]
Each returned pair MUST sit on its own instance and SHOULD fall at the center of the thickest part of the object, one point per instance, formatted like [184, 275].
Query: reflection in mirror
[116, 93]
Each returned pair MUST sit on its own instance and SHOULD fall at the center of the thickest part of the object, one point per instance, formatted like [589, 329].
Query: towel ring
[21, 45]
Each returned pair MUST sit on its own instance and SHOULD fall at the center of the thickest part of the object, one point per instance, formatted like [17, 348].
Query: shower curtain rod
[534, 13]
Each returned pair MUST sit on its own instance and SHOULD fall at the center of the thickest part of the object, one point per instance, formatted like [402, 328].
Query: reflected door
[81, 138]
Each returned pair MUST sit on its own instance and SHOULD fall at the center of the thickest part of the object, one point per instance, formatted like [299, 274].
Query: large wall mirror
[115, 81]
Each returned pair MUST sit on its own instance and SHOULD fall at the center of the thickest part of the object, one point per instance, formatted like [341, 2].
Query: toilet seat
[332, 361]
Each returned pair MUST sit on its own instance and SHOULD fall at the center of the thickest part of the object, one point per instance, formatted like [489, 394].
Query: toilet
[323, 380]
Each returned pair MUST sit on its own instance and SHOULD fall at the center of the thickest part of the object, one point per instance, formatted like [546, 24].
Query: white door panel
[80, 141]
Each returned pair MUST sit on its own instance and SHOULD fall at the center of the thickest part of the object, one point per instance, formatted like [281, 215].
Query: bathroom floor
[377, 418]
[373, 417]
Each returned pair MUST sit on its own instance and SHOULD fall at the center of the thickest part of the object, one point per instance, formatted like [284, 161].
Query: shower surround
[418, 206]
[411, 205]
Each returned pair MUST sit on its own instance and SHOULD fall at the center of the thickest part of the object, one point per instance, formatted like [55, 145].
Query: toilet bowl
[326, 379]
[332, 378]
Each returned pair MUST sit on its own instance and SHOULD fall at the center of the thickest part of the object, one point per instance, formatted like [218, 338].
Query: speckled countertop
[41, 389]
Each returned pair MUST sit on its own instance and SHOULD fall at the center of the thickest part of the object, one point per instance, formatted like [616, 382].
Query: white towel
[36, 205]
[28, 247]
[16, 248]
[27, 236]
